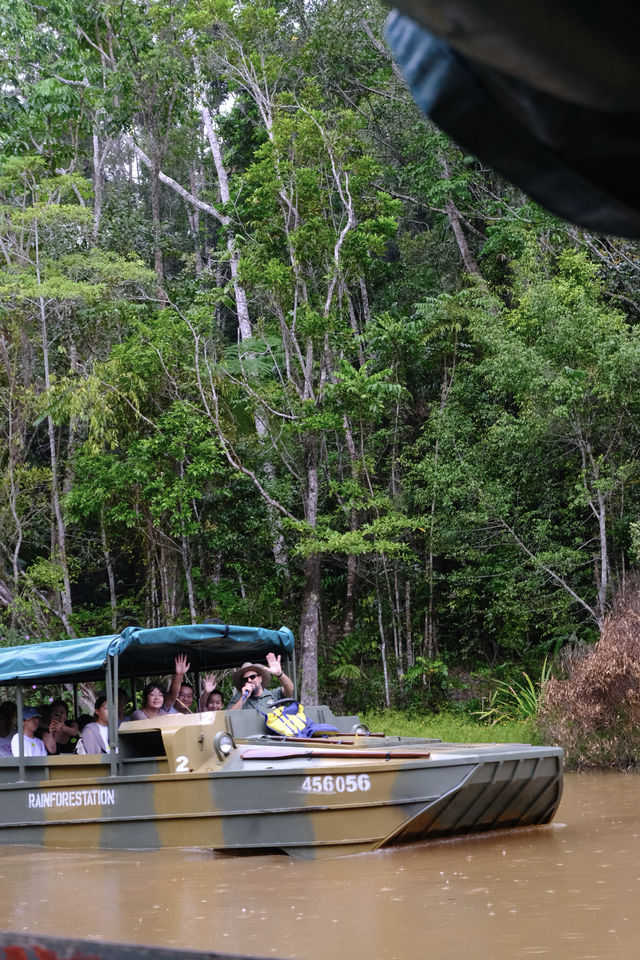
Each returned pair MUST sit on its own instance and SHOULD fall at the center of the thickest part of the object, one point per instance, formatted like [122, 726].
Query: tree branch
[180, 190]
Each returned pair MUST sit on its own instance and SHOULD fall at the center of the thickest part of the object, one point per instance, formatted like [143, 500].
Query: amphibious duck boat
[222, 781]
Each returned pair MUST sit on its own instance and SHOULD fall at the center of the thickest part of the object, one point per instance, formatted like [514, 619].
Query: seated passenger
[249, 681]
[185, 698]
[63, 733]
[33, 747]
[7, 726]
[83, 720]
[215, 700]
[155, 703]
[122, 706]
[211, 697]
[95, 736]
[42, 732]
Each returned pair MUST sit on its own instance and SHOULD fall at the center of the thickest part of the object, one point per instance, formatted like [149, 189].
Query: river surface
[569, 890]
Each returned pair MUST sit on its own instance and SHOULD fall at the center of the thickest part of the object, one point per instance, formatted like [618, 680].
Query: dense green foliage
[272, 349]
[452, 727]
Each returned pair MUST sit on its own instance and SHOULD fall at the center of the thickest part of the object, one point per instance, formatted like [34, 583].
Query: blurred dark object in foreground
[20, 946]
[547, 93]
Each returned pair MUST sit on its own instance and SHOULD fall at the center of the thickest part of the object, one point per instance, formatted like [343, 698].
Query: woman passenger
[63, 734]
[155, 703]
[95, 736]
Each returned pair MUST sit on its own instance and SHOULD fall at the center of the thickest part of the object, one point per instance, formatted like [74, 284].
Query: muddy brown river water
[569, 890]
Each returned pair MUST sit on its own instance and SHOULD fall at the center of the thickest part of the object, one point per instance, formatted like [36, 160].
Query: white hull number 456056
[349, 783]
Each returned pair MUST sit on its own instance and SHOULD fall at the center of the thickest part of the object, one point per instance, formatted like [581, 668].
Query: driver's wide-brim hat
[239, 674]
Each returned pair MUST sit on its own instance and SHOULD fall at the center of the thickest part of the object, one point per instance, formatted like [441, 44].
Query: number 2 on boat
[350, 783]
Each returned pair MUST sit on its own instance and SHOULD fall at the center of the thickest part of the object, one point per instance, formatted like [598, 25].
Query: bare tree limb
[186, 195]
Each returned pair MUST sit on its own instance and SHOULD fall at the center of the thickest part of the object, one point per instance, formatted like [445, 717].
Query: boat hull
[301, 802]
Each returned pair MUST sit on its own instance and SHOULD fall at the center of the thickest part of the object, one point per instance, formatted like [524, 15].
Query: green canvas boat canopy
[142, 652]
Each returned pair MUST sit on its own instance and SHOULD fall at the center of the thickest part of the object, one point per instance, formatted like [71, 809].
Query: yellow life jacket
[289, 720]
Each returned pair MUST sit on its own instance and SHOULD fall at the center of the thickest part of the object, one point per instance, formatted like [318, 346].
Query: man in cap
[33, 747]
[250, 682]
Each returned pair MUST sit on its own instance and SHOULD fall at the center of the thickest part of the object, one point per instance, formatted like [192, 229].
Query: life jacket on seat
[290, 720]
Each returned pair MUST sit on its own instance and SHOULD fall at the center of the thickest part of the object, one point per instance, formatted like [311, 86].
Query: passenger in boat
[42, 733]
[185, 699]
[122, 706]
[63, 733]
[155, 702]
[215, 701]
[95, 736]
[250, 682]
[33, 746]
[211, 697]
[7, 726]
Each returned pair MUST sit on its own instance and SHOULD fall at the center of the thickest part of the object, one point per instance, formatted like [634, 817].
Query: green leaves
[363, 393]
[517, 699]
[458, 449]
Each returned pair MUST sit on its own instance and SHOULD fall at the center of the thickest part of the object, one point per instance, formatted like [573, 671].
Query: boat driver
[251, 681]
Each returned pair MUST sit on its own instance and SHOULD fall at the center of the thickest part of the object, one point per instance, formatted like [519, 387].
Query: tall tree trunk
[598, 505]
[410, 652]
[242, 305]
[310, 621]
[244, 325]
[14, 445]
[106, 553]
[393, 608]
[154, 187]
[309, 629]
[352, 561]
[99, 160]
[152, 604]
[187, 564]
[383, 650]
[13, 506]
[60, 531]
[194, 219]
[59, 525]
[455, 222]
[453, 216]
[350, 591]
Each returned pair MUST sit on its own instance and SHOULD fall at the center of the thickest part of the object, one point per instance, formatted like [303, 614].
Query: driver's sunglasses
[251, 676]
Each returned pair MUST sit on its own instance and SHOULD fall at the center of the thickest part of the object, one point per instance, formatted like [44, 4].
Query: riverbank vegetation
[593, 710]
[451, 725]
[274, 350]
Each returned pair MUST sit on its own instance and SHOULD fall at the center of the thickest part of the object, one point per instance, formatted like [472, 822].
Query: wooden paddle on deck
[272, 753]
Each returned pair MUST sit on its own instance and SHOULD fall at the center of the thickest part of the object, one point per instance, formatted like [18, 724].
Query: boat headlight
[360, 730]
[224, 744]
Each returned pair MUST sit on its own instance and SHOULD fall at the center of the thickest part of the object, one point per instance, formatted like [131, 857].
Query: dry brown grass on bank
[595, 713]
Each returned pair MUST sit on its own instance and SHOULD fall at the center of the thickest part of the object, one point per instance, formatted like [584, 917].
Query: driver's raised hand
[274, 664]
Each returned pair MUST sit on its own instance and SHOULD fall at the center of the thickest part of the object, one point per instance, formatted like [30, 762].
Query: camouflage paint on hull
[170, 787]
